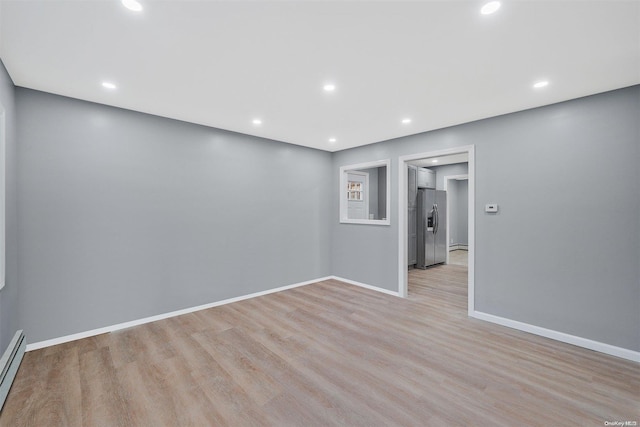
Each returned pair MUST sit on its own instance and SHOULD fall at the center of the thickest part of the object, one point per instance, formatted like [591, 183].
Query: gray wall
[382, 192]
[9, 294]
[372, 191]
[448, 170]
[377, 191]
[575, 163]
[462, 213]
[458, 201]
[125, 215]
[460, 205]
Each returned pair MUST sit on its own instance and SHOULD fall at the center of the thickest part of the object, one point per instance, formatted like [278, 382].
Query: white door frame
[402, 217]
[446, 184]
[3, 169]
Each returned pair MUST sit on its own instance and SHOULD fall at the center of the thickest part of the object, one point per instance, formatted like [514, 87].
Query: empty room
[319, 213]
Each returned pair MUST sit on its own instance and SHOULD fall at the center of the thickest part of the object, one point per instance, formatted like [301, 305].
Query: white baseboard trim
[112, 328]
[458, 246]
[364, 285]
[561, 336]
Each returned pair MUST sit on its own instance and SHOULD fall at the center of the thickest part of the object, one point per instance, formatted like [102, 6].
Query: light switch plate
[491, 207]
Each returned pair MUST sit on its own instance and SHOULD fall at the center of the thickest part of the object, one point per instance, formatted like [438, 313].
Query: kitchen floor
[459, 257]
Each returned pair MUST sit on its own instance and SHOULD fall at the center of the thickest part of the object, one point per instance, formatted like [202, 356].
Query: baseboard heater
[10, 363]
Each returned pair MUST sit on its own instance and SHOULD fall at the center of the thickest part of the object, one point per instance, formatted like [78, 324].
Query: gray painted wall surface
[382, 192]
[9, 294]
[457, 199]
[459, 224]
[462, 212]
[575, 163]
[372, 191]
[125, 215]
[448, 170]
[452, 209]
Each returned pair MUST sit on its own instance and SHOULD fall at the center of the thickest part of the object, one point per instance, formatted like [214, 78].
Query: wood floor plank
[102, 398]
[135, 386]
[326, 354]
[51, 394]
[225, 347]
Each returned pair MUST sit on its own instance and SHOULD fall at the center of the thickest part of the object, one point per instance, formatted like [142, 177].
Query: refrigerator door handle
[429, 224]
[437, 218]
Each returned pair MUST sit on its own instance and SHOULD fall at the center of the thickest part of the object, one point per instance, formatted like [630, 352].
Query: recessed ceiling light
[541, 83]
[132, 5]
[257, 121]
[434, 161]
[332, 140]
[405, 121]
[108, 85]
[490, 8]
[329, 87]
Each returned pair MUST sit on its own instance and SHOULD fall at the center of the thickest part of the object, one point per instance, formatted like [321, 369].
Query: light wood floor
[459, 257]
[322, 355]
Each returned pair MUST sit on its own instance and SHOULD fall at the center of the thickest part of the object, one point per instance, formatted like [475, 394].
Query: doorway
[403, 237]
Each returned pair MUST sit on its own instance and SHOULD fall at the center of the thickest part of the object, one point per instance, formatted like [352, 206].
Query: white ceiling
[224, 63]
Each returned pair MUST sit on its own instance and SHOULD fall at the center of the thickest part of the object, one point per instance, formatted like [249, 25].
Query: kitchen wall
[125, 215]
[9, 294]
[462, 212]
[457, 197]
[566, 179]
[448, 170]
[458, 190]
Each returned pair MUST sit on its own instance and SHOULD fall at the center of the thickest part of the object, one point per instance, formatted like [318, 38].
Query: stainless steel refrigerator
[432, 227]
